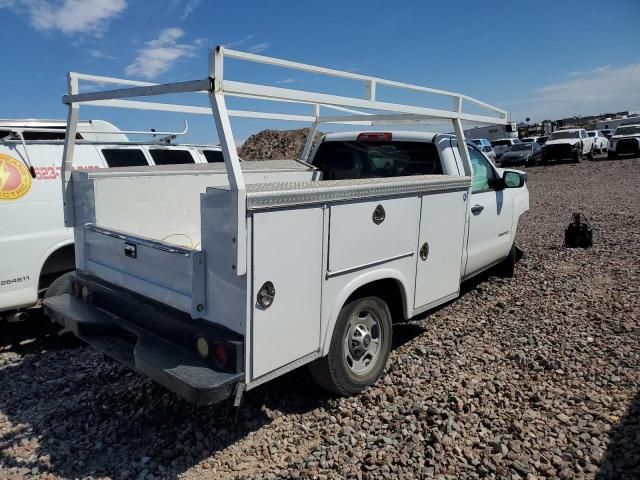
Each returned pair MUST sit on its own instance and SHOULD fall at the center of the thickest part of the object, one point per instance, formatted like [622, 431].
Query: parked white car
[293, 262]
[503, 145]
[35, 246]
[600, 141]
[570, 144]
[625, 141]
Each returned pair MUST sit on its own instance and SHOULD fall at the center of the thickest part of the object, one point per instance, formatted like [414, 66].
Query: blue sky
[544, 59]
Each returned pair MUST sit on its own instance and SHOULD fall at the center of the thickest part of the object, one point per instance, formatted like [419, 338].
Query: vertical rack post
[462, 146]
[311, 134]
[230, 155]
[67, 153]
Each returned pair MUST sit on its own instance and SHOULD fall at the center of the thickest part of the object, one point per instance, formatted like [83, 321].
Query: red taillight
[220, 354]
[374, 137]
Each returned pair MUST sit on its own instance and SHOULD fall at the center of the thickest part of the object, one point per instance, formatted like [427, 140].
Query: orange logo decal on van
[15, 180]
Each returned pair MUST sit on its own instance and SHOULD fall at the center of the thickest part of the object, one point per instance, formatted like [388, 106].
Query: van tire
[335, 372]
[59, 286]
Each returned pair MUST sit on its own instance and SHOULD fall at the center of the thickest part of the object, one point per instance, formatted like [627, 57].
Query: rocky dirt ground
[535, 376]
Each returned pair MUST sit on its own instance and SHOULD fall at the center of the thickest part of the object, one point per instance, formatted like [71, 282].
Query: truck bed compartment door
[287, 251]
[440, 246]
[363, 234]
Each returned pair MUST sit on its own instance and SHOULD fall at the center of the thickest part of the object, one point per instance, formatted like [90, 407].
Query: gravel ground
[528, 377]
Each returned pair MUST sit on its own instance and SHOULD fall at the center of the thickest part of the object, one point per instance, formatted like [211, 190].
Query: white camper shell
[292, 262]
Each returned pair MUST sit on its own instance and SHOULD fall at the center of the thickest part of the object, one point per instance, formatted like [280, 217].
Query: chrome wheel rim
[362, 341]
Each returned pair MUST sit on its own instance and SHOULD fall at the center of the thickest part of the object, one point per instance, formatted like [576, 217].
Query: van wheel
[59, 286]
[359, 348]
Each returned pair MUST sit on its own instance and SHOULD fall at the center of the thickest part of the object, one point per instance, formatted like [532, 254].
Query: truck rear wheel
[359, 348]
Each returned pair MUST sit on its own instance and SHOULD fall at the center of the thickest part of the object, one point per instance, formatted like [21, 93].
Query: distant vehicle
[570, 144]
[502, 145]
[613, 123]
[489, 153]
[481, 142]
[522, 154]
[600, 142]
[538, 140]
[494, 132]
[625, 141]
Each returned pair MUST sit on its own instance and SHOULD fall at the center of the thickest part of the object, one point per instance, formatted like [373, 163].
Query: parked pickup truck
[570, 144]
[625, 141]
[295, 262]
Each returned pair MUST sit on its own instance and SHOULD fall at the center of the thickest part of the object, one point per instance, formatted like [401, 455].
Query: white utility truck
[35, 246]
[294, 262]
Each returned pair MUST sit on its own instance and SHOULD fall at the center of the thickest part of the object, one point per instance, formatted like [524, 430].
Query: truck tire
[59, 286]
[508, 266]
[359, 349]
[590, 154]
[578, 158]
[611, 155]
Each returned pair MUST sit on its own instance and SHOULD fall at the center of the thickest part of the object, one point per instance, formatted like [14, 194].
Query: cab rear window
[213, 156]
[353, 159]
[124, 157]
[171, 157]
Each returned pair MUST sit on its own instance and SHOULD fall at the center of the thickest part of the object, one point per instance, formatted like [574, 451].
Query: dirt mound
[275, 144]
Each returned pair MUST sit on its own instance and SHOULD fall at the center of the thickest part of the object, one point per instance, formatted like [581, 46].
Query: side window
[171, 157]
[124, 157]
[482, 171]
[213, 156]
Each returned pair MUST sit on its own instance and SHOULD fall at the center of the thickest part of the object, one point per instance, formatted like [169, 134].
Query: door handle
[477, 209]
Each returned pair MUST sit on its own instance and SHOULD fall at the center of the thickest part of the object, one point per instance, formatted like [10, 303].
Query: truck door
[490, 218]
[440, 245]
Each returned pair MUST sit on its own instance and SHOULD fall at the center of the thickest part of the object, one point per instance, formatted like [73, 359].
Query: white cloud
[160, 54]
[286, 80]
[604, 68]
[190, 7]
[100, 55]
[237, 43]
[68, 16]
[604, 89]
[260, 47]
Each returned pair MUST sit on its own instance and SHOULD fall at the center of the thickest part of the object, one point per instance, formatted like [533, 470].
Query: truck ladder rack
[368, 110]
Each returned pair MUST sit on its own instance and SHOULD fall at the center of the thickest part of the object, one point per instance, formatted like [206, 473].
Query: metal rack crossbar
[368, 110]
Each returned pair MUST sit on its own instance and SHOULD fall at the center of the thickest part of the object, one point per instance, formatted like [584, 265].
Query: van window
[171, 157]
[353, 159]
[39, 135]
[213, 156]
[124, 157]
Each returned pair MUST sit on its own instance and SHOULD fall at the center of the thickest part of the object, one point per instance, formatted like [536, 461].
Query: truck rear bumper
[152, 340]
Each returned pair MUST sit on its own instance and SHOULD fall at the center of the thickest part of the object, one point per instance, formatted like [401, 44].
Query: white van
[35, 246]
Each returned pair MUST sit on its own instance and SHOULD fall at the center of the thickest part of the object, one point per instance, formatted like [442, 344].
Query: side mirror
[513, 179]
